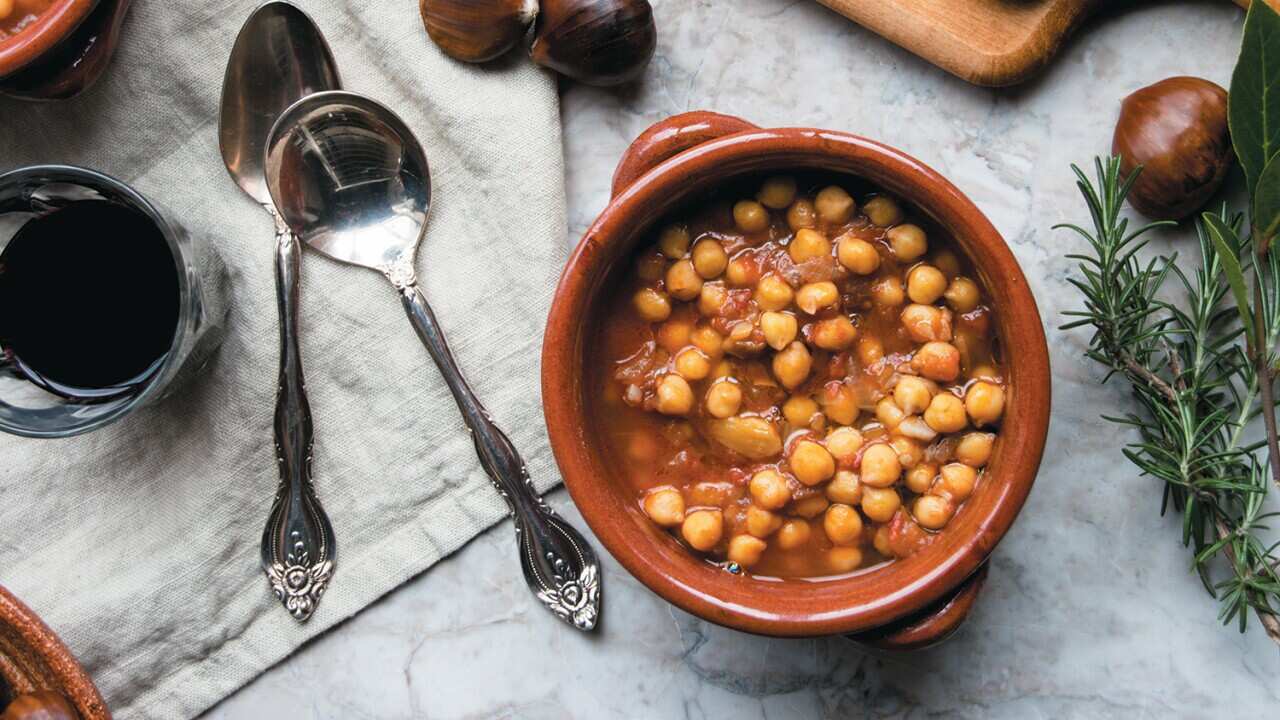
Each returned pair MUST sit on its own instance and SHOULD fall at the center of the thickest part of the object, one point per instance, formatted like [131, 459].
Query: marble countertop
[1091, 609]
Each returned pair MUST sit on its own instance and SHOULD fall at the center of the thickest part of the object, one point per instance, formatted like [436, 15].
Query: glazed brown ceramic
[32, 658]
[64, 52]
[913, 601]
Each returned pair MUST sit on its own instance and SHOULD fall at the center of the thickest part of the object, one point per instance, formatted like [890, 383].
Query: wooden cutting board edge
[974, 41]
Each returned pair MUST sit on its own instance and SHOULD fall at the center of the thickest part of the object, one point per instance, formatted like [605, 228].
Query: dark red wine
[88, 299]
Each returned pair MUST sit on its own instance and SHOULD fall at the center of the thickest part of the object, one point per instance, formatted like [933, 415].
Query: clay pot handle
[931, 625]
[668, 138]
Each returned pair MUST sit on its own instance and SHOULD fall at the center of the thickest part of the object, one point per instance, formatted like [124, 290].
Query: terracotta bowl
[32, 658]
[903, 604]
[64, 52]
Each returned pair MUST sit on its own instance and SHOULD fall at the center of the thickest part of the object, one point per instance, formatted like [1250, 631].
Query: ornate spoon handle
[298, 547]
[559, 566]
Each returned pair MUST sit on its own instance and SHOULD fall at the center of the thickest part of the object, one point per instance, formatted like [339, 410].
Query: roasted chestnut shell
[1177, 130]
[598, 42]
[477, 30]
[44, 705]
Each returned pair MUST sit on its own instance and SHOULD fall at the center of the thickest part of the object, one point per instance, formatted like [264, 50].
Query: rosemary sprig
[1193, 368]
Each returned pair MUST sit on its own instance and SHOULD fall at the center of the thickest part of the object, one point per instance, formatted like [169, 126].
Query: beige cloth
[139, 543]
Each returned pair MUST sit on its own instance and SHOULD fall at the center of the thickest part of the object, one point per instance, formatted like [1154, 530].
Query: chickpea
[792, 365]
[834, 205]
[683, 282]
[674, 334]
[932, 512]
[946, 413]
[881, 541]
[888, 292]
[985, 402]
[883, 210]
[773, 293]
[807, 245]
[910, 452]
[811, 463]
[6, 9]
[925, 284]
[799, 410]
[920, 478]
[937, 361]
[974, 449]
[912, 394]
[844, 559]
[880, 467]
[845, 488]
[879, 504]
[957, 481]
[792, 534]
[674, 241]
[925, 323]
[750, 216]
[947, 262]
[665, 506]
[810, 507]
[652, 305]
[834, 334]
[708, 341]
[888, 412]
[724, 397]
[769, 489]
[702, 529]
[985, 371]
[801, 214]
[712, 298]
[692, 364]
[858, 255]
[908, 243]
[777, 192]
[741, 273]
[650, 267]
[843, 525]
[779, 329]
[746, 550]
[709, 258]
[962, 295]
[762, 523]
[870, 351]
[844, 444]
[815, 296]
[839, 403]
[675, 397]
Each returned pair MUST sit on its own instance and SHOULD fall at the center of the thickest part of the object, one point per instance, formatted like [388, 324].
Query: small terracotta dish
[32, 659]
[906, 603]
[62, 53]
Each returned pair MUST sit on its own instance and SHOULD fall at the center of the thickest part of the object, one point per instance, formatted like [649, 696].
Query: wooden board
[987, 42]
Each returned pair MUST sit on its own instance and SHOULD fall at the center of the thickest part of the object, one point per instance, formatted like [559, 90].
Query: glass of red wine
[105, 303]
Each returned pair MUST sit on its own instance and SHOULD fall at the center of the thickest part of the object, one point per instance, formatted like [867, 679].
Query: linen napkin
[138, 543]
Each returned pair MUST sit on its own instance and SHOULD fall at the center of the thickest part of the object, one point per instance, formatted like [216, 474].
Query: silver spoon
[279, 57]
[352, 181]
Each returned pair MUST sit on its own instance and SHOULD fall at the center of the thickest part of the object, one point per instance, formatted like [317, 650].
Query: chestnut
[477, 30]
[598, 42]
[1177, 130]
[43, 705]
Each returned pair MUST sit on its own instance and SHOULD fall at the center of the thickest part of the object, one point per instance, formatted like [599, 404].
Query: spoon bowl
[353, 175]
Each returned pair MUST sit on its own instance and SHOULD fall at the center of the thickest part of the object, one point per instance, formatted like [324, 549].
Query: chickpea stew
[17, 15]
[799, 378]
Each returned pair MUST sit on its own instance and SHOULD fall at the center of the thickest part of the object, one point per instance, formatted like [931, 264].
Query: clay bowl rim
[870, 598]
[72, 681]
[51, 28]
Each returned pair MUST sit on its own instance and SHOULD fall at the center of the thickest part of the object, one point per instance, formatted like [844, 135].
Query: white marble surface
[1090, 611]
